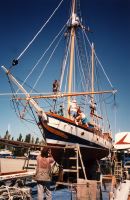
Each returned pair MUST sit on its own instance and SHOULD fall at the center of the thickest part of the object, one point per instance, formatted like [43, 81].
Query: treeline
[18, 151]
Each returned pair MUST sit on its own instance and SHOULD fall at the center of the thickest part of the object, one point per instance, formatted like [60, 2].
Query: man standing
[43, 174]
[56, 86]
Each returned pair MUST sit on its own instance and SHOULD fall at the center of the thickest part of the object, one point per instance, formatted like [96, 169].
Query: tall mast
[92, 84]
[72, 38]
[92, 71]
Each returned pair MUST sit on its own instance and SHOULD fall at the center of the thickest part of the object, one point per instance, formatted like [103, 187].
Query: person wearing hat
[73, 109]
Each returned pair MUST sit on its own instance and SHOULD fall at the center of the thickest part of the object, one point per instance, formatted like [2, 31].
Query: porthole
[82, 133]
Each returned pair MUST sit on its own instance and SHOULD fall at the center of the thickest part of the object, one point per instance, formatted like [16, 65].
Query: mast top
[75, 20]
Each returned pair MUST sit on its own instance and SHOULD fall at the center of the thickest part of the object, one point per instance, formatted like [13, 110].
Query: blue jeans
[44, 192]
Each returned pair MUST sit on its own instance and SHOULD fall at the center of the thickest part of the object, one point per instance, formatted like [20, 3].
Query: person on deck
[93, 108]
[60, 111]
[73, 109]
[81, 118]
[56, 86]
[43, 174]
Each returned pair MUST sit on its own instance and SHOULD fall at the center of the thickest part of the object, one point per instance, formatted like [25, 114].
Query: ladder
[28, 165]
[118, 169]
[73, 163]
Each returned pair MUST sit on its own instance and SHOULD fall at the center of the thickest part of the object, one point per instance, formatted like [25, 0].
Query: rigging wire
[36, 93]
[115, 113]
[87, 57]
[32, 112]
[66, 81]
[16, 108]
[82, 75]
[80, 71]
[102, 107]
[39, 60]
[39, 31]
[81, 48]
[99, 61]
[64, 63]
[46, 63]
[16, 104]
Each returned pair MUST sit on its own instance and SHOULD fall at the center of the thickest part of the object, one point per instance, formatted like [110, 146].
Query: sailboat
[55, 122]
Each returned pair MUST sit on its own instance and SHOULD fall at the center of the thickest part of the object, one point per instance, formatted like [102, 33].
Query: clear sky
[110, 22]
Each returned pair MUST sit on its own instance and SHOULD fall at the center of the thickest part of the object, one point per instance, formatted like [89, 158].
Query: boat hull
[61, 132]
[88, 154]
[90, 157]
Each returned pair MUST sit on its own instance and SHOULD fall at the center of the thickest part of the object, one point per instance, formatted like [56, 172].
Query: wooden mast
[92, 71]
[72, 38]
[92, 84]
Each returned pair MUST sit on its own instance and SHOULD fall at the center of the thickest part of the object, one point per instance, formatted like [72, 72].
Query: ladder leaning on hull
[118, 169]
[75, 168]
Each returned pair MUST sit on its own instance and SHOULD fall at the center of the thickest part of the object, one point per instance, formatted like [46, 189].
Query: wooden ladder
[75, 158]
[27, 165]
[118, 170]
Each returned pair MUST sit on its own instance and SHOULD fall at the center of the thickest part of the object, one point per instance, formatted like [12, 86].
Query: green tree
[37, 141]
[7, 135]
[20, 137]
[32, 140]
[28, 138]
[19, 151]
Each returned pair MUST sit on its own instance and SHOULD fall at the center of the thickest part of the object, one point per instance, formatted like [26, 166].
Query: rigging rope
[80, 71]
[99, 61]
[16, 103]
[64, 63]
[39, 60]
[39, 31]
[46, 64]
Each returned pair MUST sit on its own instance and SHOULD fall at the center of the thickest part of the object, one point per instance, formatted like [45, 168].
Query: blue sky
[110, 22]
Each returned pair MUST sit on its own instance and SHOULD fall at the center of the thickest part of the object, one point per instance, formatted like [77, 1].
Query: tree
[19, 151]
[20, 137]
[37, 141]
[28, 138]
[32, 140]
[7, 135]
